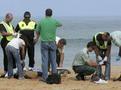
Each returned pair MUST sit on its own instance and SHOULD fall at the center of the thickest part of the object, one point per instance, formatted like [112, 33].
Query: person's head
[90, 46]
[48, 12]
[61, 43]
[27, 15]
[105, 36]
[8, 17]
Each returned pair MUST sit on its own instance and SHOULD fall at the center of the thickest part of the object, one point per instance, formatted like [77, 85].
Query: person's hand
[105, 60]
[101, 62]
[99, 58]
[35, 40]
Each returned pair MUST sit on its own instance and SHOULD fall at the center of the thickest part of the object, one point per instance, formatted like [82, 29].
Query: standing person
[7, 32]
[102, 50]
[47, 30]
[60, 43]
[13, 49]
[27, 28]
[116, 39]
[82, 65]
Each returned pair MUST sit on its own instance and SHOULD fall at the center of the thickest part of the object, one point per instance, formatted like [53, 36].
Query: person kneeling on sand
[14, 49]
[82, 65]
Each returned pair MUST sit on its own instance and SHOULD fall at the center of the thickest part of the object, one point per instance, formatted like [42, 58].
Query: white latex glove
[101, 62]
[99, 58]
[105, 58]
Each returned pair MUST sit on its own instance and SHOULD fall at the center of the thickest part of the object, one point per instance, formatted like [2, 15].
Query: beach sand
[68, 83]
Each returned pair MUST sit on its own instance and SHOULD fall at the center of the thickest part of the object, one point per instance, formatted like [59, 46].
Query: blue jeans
[107, 66]
[13, 53]
[48, 52]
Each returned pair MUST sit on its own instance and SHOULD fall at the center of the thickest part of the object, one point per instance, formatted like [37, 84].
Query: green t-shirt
[47, 29]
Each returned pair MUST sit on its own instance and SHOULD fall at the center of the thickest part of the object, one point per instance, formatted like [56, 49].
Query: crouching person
[82, 65]
[13, 49]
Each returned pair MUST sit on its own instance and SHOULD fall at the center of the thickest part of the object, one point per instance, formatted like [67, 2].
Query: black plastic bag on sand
[53, 79]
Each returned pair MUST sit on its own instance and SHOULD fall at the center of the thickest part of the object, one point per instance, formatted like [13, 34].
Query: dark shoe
[80, 77]
[2, 76]
[9, 77]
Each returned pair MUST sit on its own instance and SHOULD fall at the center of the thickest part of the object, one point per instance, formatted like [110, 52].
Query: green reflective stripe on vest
[104, 46]
[9, 28]
[30, 26]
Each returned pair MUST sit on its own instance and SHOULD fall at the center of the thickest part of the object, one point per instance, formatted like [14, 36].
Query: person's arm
[61, 59]
[3, 33]
[22, 52]
[96, 50]
[36, 36]
[37, 32]
[58, 24]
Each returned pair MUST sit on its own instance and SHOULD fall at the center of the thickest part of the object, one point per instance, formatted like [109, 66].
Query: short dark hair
[48, 12]
[107, 33]
[90, 44]
[63, 41]
[27, 13]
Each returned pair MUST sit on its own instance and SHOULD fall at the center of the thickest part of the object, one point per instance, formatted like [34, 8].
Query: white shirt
[116, 38]
[16, 43]
[61, 50]
[57, 39]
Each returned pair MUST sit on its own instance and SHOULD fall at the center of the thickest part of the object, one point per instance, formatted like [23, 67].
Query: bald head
[8, 17]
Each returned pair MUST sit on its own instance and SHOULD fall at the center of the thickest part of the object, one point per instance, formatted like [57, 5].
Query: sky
[62, 7]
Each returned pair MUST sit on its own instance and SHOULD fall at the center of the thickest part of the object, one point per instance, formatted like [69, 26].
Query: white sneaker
[31, 69]
[25, 69]
[100, 81]
[6, 75]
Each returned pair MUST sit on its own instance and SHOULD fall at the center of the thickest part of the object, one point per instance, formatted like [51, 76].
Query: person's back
[81, 58]
[48, 27]
[116, 38]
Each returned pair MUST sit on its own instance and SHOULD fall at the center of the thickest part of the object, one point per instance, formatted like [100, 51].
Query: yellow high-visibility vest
[9, 28]
[104, 46]
[30, 26]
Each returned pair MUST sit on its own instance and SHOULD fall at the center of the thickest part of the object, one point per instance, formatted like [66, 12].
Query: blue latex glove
[118, 58]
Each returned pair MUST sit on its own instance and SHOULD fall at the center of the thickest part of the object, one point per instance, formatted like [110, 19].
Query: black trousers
[31, 50]
[4, 42]
[58, 57]
[29, 34]
[84, 70]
